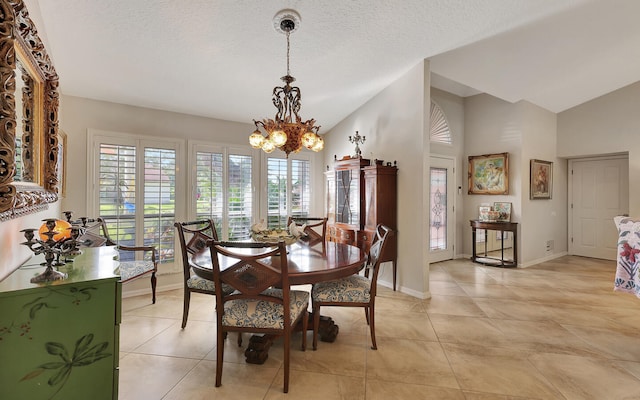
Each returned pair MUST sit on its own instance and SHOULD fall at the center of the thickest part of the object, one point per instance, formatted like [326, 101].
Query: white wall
[609, 124]
[525, 131]
[542, 220]
[393, 122]
[492, 126]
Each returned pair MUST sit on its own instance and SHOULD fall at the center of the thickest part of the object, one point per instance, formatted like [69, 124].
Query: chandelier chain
[288, 47]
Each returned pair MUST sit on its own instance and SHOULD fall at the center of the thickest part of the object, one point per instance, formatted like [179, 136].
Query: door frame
[451, 202]
[570, 233]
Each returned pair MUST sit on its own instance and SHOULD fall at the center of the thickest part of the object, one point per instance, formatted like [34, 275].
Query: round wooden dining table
[307, 265]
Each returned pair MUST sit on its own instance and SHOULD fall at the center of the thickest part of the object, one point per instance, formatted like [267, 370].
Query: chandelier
[287, 131]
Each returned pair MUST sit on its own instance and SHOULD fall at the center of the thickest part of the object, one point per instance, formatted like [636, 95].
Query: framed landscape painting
[489, 174]
[541, 180]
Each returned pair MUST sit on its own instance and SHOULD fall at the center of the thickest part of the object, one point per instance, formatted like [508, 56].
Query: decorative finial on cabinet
[357, 140]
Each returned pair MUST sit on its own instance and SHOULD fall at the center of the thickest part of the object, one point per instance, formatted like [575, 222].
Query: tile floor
[551, 331]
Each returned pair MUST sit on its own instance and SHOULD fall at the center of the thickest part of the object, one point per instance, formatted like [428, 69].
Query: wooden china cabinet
[361, 195]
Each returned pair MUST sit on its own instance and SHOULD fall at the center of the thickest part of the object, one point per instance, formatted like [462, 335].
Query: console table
[59, 340]
[495, 226]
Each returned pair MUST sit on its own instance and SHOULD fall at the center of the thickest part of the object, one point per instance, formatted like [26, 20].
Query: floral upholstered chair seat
[355, 288]
[196, 282]
[131, 269]
[264, 314]
[628, 259]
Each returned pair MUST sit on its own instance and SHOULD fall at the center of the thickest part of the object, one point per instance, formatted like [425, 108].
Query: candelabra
[357, 140]
[52, 241]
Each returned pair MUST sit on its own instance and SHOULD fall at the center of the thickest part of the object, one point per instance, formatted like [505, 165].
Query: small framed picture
[483, 213]
[489, 174]
[504, 211]
[541, 180]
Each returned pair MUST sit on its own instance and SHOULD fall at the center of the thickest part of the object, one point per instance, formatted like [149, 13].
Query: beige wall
[393, 122]
[525, 131]
[609, 124]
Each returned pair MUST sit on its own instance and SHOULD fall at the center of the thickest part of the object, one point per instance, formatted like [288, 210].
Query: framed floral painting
[541, 180]
[489, 174]
[504, 211]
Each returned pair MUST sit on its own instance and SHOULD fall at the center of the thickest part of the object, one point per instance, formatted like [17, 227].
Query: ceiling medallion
[287, 131]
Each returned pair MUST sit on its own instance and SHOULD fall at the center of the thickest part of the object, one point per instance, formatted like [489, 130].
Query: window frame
[264, 182]
[196, 146]
[97, 137]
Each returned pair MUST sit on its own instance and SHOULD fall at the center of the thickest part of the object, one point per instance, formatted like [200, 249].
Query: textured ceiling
[222, 58]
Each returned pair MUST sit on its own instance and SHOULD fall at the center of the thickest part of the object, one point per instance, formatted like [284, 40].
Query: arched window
[440, 132]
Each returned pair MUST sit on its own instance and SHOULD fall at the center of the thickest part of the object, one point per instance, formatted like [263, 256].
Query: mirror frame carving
[17, 198]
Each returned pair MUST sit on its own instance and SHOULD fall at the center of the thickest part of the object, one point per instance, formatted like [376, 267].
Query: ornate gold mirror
[29, 112]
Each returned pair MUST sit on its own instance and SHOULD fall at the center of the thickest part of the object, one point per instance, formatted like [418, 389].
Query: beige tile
[498, 370]
[544, 337]
[469, 330]
[632, 367]
[136, 330]
[471, 274]
[404, 325]
[439, 275]
[346, 356]
[514, 309]
[384, 390]
[195, 341]
[315, 386]
[239, 382]
[397, 303]
[612, 344]
[410, 361]
[492, 396]
[447, 288]
[478, 290]
[149, 376]
[582, 378]
[350, 320]
[453, 305]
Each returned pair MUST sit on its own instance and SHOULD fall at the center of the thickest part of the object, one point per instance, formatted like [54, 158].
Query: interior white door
[441, 209]
[599, 192]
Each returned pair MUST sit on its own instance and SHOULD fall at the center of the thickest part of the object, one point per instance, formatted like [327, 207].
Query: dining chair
[315, 228]
[262, 302]
[134, 261]
[353, 291]
[193, 236]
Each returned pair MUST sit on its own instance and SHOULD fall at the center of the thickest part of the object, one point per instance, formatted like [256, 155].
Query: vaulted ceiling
[222, 58]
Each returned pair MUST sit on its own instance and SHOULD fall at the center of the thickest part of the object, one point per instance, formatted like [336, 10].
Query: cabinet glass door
[347, 197]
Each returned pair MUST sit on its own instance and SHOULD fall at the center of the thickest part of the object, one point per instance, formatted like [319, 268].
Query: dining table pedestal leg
[257, 351]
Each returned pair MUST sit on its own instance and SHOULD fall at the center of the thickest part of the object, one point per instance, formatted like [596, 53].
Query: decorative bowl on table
[274, 236]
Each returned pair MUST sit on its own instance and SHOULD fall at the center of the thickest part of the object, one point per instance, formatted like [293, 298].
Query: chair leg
[316, 323]
[305, 326]
[154, 282]
[372, 327]
[287, 351]
[239, 339]
[366, 314]
[185, 308]
[219, 356]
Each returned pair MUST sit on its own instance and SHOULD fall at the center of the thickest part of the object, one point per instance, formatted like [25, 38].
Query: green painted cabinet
[61, 340]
